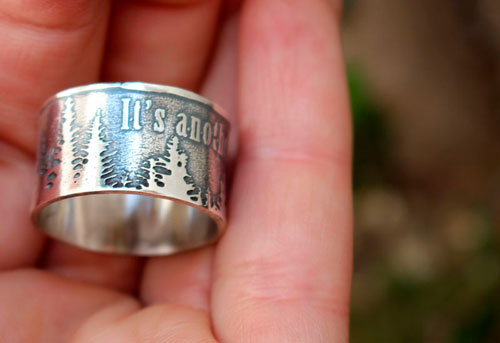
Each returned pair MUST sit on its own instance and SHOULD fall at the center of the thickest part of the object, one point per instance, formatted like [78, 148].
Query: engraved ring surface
[131, 168]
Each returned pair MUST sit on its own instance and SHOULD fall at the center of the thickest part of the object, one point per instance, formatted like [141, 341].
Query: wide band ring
[132, 168]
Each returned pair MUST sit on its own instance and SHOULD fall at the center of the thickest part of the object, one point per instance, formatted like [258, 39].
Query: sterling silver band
[131, 168]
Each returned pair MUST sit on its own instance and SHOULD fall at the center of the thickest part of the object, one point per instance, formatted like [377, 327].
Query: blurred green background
[424, 80]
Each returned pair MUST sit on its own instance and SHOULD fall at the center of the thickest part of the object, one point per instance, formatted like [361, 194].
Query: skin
[282, 271]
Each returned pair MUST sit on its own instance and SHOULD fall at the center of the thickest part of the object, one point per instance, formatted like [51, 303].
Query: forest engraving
[117, 145]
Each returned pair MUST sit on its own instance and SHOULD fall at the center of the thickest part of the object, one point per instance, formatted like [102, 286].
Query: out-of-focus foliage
[426, 270]
[370, 134]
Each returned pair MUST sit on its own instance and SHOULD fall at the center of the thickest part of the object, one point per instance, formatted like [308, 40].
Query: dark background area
[424, 79]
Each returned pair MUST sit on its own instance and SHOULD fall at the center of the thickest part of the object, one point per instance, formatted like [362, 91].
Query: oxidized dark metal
[131, 168]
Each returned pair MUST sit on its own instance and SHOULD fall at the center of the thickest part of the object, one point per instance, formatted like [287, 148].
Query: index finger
[283, 269]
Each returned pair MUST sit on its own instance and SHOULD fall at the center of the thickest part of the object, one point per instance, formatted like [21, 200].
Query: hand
[281, 273]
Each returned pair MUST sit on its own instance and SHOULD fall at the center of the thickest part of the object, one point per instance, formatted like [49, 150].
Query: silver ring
[131, 168]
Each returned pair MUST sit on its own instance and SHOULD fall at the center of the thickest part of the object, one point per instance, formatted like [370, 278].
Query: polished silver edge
[139, 86]
[136, 253]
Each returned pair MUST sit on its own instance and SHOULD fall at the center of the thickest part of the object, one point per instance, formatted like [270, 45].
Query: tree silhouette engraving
[73, 141]
[109, 174]
[50, 153]
[114, 176]
[170, 171]
[98, 143]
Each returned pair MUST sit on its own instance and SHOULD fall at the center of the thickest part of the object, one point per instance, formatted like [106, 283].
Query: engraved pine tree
[170, 172]
[97, 144]
[50, 153]
[109, 174]
[68, 117]
[71, 133]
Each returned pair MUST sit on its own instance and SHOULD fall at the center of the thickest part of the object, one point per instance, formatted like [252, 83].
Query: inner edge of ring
[146, 224]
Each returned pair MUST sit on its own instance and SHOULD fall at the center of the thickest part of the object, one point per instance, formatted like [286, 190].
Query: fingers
[40, 307]
[165, 41]
[282, 271]
[46, 46]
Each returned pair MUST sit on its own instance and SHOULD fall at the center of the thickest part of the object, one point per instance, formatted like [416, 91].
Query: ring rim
[140, 86]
